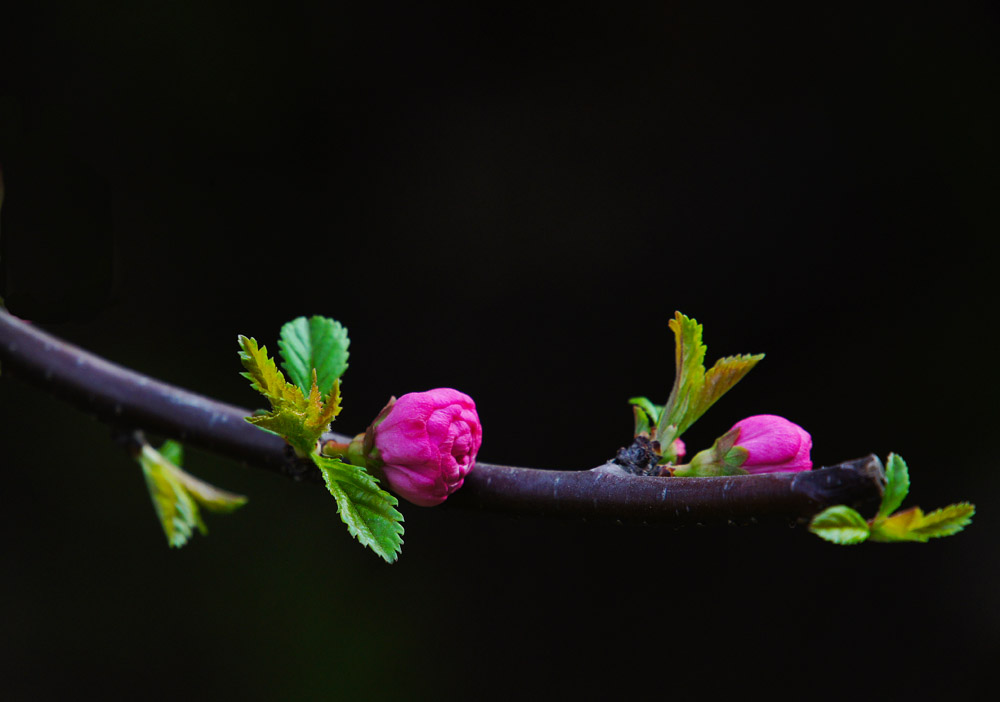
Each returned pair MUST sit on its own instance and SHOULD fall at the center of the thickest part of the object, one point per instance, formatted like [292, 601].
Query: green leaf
[173, 452]
[176, 494]
[897, 477]
[652, 411]
[642, 423]
[645, 414]
[318, 343]
[841, 525]
[368, 511]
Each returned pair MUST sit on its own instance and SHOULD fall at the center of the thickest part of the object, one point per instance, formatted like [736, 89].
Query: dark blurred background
[511, 202]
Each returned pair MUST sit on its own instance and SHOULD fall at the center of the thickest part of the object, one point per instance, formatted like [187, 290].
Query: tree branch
[129, 400]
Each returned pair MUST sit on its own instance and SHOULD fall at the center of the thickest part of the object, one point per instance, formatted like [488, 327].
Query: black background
[513, 203]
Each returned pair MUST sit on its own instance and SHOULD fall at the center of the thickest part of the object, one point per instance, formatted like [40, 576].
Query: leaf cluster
[178, 496]
[694, 390]
[300, 417]
[843, 525]
[314, 353]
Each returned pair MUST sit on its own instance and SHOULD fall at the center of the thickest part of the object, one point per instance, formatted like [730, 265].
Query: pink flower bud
[428, 442]
[773, 444]
[679, 448]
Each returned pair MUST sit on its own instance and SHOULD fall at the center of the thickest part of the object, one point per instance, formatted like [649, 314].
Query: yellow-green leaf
[264, 375]
[177, 494]
[320, 413]
[947, 520]
[210, 497]
[694, 391]
[689, 357]
[298, 419]
[899, 527]
[840, 524]
[289, 424]
[914, 525]
[719, 380]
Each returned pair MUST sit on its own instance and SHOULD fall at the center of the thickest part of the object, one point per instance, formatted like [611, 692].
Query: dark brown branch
[130, 400]
[609, 492]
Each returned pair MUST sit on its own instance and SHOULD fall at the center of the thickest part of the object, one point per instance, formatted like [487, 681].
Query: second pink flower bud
[764, 443]
[773, 444]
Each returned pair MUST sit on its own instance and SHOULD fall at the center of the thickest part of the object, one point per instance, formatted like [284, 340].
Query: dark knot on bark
[640, 458]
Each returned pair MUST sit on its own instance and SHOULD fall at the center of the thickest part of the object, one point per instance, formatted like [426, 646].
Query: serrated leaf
[840, 524]
[946, 521]
[914, 525]
[318, 343]
[320, 413]
[298, 419]
[302, 423]
[289, 424]
[689, 357]
[265, 377]
[719, 380]
[897, 477]
[368, 511]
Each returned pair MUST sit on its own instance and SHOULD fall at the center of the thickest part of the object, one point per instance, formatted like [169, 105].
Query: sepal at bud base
[356, 454]
[361, 450]
[724, 458]
[763, 443]
[372, 455]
